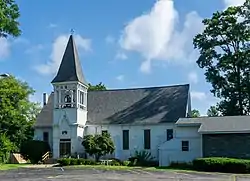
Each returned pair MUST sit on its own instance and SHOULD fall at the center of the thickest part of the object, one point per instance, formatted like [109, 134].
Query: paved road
[69, 174]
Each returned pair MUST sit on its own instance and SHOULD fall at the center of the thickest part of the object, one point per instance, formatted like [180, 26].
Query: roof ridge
[138, 88]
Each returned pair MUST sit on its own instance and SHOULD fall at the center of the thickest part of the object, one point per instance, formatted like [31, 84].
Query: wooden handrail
[46, 156]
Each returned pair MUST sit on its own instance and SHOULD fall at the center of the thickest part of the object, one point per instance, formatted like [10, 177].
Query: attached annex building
[153, 118]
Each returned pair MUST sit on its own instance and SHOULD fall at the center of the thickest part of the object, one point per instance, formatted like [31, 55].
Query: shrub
[217, 164]
[181, 165]
[143, 158]
[126, 163]
[75, 161]
[34, 150]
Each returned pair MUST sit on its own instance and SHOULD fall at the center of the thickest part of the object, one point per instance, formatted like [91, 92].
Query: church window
[125, 139]
[46, 136]
[147, 139]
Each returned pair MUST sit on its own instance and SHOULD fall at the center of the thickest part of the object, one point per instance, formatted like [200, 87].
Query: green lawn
[10, 166]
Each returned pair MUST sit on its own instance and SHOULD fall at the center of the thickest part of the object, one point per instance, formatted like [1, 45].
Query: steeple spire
[70, 68]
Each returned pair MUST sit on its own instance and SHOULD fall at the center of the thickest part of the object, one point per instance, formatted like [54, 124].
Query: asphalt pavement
[73, 174]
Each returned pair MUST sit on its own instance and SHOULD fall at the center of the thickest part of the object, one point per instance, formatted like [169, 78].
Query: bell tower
[70, 103]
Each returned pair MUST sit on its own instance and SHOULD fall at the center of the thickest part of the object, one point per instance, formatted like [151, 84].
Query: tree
[9, 14]
[213, 111]
[17, 113]
[98, 145]
[6, 146]
[195, 113]
[225, 57]
[99, 86]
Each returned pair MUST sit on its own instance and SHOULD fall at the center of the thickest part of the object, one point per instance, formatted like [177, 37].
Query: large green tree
[96, 87]
[224, 48]
[98, 145]
[17, 113]
[9, 14]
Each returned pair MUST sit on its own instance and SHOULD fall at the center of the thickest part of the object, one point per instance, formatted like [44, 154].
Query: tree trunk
[97, 157]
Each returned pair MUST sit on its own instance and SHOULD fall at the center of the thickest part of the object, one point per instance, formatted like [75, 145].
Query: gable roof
[70, 68]
[150, 105]
[221, 124]
[45, 117]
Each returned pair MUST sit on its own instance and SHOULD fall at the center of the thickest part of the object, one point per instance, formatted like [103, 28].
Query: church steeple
[70, 68]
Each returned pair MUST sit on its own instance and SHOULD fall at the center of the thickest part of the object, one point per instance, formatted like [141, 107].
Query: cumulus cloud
[233, 2]
[195, 95]
[5, 48]
[193, 77]
[202, 101]
[154, 35]
[58, 49]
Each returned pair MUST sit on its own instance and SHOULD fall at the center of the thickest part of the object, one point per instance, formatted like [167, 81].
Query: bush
[75, 161]
[181, 165]
[126, 163]
[34, 150]
[143, 158]
[217, 164]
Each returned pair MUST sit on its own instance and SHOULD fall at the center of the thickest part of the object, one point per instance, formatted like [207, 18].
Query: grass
[10, 166]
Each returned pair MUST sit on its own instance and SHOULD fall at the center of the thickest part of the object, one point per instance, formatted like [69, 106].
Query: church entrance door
[65, 147]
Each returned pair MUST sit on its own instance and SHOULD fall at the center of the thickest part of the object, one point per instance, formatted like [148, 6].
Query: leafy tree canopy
[6, 146]
[213, 111]
[99, 86]
[9, 14]
[17, 113]
[98, 145]
[224, 48]
[195, 113]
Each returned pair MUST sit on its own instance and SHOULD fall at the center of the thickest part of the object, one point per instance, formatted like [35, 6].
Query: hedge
[74, 161]
[81, 161]
[218, 164]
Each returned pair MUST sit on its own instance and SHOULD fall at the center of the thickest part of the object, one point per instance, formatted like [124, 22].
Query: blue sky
[121, 43]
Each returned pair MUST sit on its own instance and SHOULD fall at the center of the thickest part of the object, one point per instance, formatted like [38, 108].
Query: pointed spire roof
[70, 68]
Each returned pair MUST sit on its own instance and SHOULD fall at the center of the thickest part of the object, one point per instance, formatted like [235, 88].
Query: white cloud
[193, 77]
[110, 39]
[233, 2]
[5, 48]
[154, 35]
[201, 96]
[120, 77]
[202, 101]
[121, 56]
[58, 49]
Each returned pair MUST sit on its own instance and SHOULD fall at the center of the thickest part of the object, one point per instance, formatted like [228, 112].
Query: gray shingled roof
[218, 124]
[136, 106]
[45, 117]
[70, 68]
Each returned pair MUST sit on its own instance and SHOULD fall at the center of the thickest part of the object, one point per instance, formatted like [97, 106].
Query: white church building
[151, 118]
